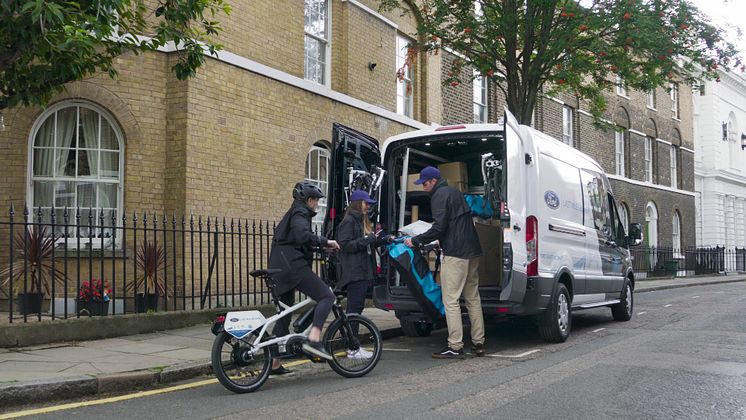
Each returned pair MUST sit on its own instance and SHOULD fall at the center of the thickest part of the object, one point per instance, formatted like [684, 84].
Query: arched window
[76, 158]
[676, 232]
[317, 171]
[651, 224]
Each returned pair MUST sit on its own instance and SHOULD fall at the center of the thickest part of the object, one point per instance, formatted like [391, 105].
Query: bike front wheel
[236, 366]
[355, 345]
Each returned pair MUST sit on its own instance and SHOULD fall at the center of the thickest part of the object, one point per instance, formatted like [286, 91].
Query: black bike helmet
[305, 190]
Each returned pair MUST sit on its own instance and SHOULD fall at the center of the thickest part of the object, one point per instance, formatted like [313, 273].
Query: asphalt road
[683, 355]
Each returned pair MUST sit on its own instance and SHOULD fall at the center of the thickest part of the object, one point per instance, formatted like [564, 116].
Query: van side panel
[562, 237]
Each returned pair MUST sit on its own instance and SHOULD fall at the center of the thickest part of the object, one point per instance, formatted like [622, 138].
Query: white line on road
[599, 329]
[515, 356]
[641, 313]
[695, 297]
[666, 306]
[397, 349]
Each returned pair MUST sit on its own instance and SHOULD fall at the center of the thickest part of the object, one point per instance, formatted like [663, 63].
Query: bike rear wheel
[344, 346]
[235, 367]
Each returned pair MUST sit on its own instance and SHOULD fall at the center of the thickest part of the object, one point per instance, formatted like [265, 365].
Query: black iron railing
[666, 261]
[76, 264]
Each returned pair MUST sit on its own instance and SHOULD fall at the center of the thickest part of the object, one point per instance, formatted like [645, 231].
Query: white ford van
[553, 244]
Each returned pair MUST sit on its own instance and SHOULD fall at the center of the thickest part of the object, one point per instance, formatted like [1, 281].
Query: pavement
[49, 372]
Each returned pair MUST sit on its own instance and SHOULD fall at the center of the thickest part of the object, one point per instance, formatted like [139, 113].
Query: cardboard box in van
[411, 186]
[455, 174]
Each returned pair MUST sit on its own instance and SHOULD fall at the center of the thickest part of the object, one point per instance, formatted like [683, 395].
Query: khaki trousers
[461, 276]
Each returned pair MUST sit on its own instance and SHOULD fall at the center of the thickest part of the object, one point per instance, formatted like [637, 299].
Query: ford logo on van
[552, 200]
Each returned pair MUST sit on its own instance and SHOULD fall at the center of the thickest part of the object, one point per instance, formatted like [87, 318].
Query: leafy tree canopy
[45, 44]
[534, 46]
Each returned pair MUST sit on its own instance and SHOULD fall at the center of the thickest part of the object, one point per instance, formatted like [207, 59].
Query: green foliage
[45, 44]
[533, 46]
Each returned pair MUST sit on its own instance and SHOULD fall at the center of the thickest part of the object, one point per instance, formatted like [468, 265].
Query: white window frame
[325, 42]
[619, 152]
[652, 100]
[72, 241]
[621, 86]
[313, 158]
[676, 234]
[480, 100]
[648, 159]
[674, 167]
[407, 109]
[675, 100]
[567, 125]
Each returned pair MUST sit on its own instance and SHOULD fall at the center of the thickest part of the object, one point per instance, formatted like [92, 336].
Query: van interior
[461, 164]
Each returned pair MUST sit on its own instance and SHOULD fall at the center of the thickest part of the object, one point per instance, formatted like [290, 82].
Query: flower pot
[146, 302]
[92, 307]
[30, 303]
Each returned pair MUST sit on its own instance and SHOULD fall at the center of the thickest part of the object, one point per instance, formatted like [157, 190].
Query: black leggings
[315, 288]
[356, 292]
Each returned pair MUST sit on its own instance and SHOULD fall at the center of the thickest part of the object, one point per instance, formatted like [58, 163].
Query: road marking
[106, 400]
[397, 349]
[515, 355]
[641, 313]
[695, 297]
[141, 394]
[666, 306]
[597, 330]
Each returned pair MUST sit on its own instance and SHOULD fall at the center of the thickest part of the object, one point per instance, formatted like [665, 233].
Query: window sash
[480, 98]
[567, 115]
[621, 86]
[404, 88]
[648, 160]
[619, 151]
[675, 99]
[674, 168]
[651, 99]
[316, 41]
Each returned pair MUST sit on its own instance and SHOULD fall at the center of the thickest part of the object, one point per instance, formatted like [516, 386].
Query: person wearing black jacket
[453, 227]
[357, 242]
[292, 252]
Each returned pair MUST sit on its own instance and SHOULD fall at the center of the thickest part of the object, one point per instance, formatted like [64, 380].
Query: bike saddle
[264, 272]
[340, 293]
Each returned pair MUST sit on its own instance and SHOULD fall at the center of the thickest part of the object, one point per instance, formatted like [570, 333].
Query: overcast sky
[723, 12]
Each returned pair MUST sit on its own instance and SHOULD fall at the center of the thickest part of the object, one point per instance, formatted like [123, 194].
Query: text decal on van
[552, 199]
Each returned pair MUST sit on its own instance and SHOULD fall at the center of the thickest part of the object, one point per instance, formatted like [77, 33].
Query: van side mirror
[635, 234]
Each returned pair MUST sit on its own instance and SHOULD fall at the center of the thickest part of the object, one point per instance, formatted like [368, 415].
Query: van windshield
[472, 163]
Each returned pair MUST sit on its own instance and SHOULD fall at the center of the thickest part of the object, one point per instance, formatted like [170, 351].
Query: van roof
[445, 130]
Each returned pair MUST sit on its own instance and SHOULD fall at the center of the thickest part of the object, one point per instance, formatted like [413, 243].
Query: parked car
[553, 244]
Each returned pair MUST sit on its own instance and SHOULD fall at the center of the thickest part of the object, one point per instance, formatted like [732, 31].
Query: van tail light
[532, 246]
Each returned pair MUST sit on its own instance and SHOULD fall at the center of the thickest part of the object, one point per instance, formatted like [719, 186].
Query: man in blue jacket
[453, 227]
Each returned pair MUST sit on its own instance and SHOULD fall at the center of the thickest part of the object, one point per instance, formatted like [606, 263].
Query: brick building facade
[233, 140]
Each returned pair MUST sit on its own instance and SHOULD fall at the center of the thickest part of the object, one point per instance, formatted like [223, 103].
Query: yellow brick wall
[248, 137]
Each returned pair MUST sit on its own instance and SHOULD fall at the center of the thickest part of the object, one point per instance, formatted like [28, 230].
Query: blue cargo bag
[479, 206]
[413, 268]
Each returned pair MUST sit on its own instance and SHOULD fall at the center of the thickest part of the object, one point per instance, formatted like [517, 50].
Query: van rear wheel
[556, 321]
[416, 328]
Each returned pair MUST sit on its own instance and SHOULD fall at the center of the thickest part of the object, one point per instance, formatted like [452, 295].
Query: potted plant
[93, 298]
[32, 265]
[150, 260]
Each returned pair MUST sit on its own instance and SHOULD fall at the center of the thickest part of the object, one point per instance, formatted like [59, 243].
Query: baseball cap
[360, 195]
[430, 172]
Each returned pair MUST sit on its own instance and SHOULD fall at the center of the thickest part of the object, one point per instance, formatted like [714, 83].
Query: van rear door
[514, 247]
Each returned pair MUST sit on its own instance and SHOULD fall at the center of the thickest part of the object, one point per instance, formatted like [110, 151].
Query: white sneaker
[359, 354]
